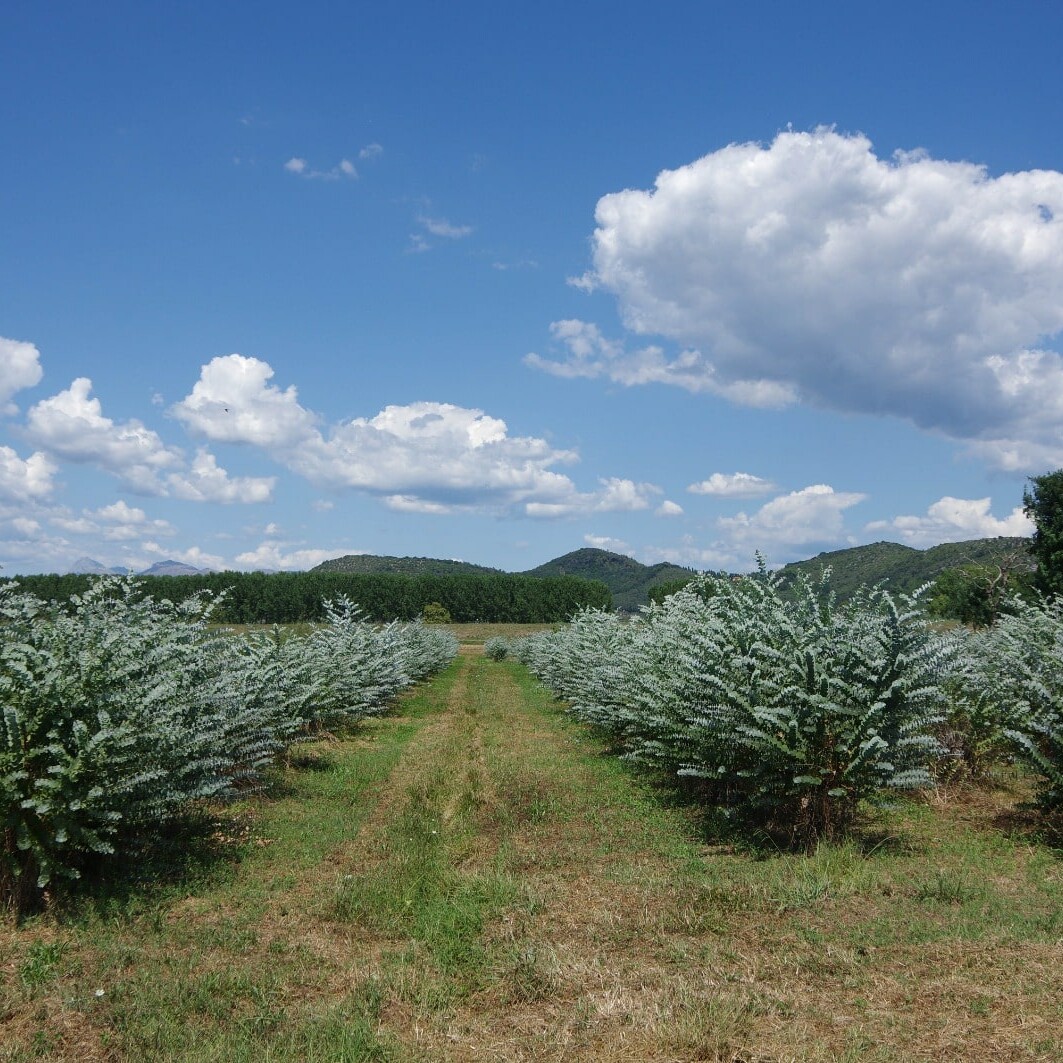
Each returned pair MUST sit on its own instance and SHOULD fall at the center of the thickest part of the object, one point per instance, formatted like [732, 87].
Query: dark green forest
[294, 597]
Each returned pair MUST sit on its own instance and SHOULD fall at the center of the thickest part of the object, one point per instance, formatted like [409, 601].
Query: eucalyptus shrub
[792, 707]
[1015, 674]
[497, 648]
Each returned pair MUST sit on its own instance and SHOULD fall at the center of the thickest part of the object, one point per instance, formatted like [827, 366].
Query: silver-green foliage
[790, 705]
[497, 648]
[1015, 680]
[118, 711]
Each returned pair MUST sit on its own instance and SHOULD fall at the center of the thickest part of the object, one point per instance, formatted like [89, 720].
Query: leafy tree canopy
[1043, 504]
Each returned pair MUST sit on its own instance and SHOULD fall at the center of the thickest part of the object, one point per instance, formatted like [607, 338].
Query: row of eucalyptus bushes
[790, 708]
[793, 708]
[1009, 694]
[121, 711]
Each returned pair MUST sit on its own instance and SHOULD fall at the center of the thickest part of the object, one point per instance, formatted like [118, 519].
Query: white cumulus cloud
[25, 479]
[71, 426]
[613, 495]
[205, 481]
[278, 556]
[20, 367]
[951, 520]
[812, 269]
[607, 542]
[426, 457]
[233, 402]
[669, 509]
[811, 516]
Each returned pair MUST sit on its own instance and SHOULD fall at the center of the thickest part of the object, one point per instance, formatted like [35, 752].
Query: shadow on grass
[1034, 826]
[719, 818]
[188, 854]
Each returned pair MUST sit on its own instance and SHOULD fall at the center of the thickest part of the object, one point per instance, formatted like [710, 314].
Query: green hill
[629, 580]
[372, 564]
[902, 567]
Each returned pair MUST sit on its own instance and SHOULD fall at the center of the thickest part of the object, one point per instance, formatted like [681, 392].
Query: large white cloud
[20, 368]
[25, 479]
[71, 426]
[205, 481]
[815, 270]
[811, 516]
[233, 402]
[951, 520]
[425, 457]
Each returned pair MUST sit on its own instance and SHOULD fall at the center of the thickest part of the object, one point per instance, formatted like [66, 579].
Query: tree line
[295, 597]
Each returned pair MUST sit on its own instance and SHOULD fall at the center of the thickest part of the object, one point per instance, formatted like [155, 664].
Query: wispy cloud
[443, 228]
[301, 168]
[733, 485]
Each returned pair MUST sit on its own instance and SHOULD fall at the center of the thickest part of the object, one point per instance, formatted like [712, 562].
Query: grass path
[471, 879]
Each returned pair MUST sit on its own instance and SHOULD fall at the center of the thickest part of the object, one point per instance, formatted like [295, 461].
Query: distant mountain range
[90, 567]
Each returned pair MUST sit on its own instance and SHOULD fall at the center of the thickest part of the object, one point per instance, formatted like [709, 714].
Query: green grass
[475, 876]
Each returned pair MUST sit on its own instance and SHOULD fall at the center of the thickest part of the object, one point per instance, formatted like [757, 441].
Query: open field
[473, 634]
[471, 879]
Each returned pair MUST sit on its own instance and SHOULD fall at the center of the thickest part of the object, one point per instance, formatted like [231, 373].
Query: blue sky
[497, 281]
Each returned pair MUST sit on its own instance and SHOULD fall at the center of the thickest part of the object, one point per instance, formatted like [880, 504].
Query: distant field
[466, 634]
[473, 633]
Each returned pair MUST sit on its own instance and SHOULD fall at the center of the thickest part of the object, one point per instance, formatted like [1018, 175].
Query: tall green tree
[1043, 504]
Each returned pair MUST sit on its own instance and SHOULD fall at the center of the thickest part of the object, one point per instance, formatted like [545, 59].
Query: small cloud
[734, 485]
[301, 168]
[606, 542]
[193, 556]
[586, 282]
[520, 263]
[669, 509]
[20, 368]
[322, 505]
[443, 228]
[274, 555]
[418, 244]
[370, 152]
